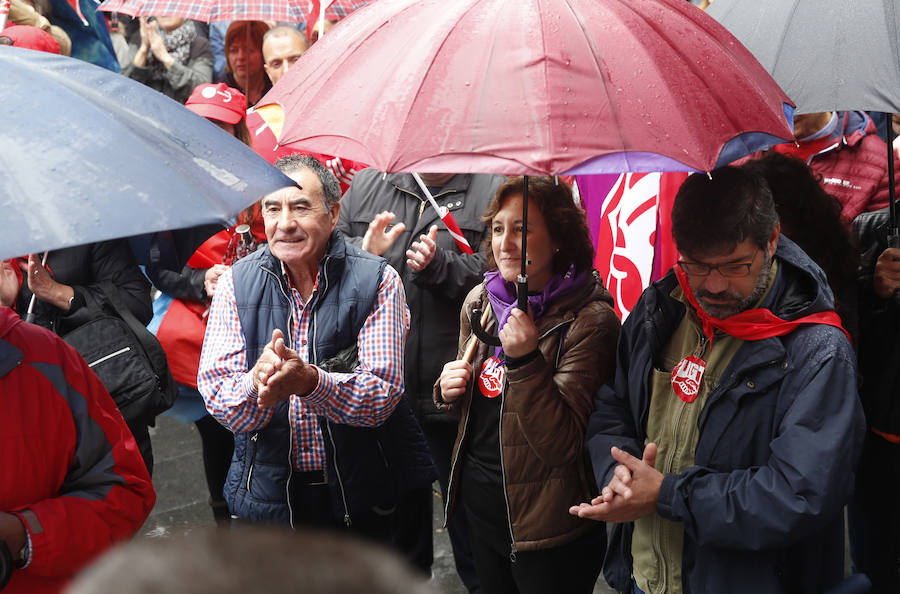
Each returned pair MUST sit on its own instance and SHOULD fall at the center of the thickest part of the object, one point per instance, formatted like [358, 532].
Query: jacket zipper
[456, 458]
[512, 538]
[110, 356]
[423, 202]
[461, 441]
[253, 439]
[315, 360]
[698, 352]
[289, 342]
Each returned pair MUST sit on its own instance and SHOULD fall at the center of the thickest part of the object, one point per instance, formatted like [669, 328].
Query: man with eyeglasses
[727, 444]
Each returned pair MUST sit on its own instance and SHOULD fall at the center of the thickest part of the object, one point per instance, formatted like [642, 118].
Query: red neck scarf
[752, 324]
[803, 150]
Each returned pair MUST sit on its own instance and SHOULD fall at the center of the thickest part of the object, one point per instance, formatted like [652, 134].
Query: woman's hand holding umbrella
[519, 335]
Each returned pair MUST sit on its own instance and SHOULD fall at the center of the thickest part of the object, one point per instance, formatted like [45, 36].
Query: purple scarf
[502, 295]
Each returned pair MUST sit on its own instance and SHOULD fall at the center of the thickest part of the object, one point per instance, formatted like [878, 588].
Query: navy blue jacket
[366, 466]
[779, 440]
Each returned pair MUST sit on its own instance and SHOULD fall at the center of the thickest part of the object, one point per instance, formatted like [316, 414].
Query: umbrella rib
[598, 62]
[784, 36]
[406, 121]
[697, 71]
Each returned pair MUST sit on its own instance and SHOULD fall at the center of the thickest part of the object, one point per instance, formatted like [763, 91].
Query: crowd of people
[330, 348]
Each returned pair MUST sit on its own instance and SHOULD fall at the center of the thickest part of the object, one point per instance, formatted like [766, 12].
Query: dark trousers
[412, 531]
[441, 437]
[874, 515]
[140, 429]
[312, 507]
[572, 568]
[218, 446]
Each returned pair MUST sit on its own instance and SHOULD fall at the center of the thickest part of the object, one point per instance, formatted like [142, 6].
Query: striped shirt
[365, 397]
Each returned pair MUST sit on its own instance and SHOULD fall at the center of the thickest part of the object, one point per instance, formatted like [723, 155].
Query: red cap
[218, 102]
[31, 37]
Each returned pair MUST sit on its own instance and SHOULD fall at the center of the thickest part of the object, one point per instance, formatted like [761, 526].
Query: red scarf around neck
[804, 149]
[752, 324]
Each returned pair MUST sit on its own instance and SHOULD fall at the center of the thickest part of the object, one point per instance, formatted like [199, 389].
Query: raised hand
[421, 253]
[377, 240]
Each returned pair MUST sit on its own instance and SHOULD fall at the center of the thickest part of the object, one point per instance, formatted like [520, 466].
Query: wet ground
[181, 499]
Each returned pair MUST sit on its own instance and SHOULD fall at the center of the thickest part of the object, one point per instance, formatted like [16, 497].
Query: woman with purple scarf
[519, 460]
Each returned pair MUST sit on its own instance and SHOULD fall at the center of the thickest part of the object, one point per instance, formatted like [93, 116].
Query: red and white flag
[629, 218]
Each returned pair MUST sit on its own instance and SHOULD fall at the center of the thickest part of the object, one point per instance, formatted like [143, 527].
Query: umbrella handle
[29, 314]
[479, 331]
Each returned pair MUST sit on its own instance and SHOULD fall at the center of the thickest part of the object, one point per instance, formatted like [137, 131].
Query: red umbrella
[531, 87]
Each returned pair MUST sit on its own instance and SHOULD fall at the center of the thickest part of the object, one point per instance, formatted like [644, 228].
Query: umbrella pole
[29, 315]
[522, 280]
[893, 232]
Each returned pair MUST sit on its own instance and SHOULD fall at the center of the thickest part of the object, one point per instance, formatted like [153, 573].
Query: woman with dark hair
[244, 59]
[519, 459]
[811, 218]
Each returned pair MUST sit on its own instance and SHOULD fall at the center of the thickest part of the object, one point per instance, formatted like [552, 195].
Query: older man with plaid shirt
[303, 361]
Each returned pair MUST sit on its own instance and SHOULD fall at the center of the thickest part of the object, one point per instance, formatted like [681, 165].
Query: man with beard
[727, 443]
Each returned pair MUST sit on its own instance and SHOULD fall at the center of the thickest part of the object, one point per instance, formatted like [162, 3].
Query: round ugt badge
[493, 373]
[686, 378]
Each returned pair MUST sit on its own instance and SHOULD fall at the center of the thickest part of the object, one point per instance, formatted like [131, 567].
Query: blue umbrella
[87, 155]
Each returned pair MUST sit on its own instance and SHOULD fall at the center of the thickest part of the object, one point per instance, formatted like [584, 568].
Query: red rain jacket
[855, 169]
[69, 467]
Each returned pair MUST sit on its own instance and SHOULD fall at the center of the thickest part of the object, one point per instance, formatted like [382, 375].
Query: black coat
[879, 330]
[83, 268]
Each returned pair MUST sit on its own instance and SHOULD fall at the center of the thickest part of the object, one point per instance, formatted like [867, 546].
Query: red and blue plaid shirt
[365, 397]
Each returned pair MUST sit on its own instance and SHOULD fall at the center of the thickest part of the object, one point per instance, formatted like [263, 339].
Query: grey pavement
[181, 504]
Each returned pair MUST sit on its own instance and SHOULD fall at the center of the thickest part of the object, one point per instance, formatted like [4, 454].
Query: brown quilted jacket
[545, 410]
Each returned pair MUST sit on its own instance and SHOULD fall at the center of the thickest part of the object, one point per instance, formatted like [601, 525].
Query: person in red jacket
[845, 151]
[72, 481]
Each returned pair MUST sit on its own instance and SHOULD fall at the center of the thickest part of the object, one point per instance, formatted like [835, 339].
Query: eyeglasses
[730, 270]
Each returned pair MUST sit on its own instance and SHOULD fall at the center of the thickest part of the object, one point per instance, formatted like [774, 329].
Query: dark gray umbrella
[87, 154]
[826, 54]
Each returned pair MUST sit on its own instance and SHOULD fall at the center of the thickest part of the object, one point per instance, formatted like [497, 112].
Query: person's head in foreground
[726, 229]
[250, 559]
